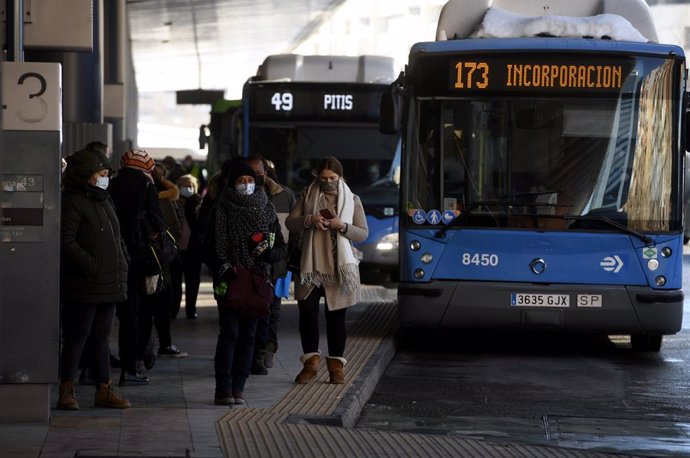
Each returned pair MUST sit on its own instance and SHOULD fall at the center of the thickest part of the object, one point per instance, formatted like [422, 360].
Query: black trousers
[191, 266]
[155, 311]
[128, 316]
[267, 327]
[309, 325]
[176, 271]
[79, 322]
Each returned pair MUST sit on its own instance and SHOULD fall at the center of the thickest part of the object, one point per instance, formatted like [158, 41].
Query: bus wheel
[644, 343]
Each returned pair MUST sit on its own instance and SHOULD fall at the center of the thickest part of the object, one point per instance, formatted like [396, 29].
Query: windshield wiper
[509, 201]
[646, 239]
[531, 194]
[467, 211]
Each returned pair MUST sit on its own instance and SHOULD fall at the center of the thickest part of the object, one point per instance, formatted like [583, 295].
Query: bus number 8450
[477, 259]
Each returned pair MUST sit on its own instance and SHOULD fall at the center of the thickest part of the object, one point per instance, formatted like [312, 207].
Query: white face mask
[186, 192]
[245, 189]
[102, 182]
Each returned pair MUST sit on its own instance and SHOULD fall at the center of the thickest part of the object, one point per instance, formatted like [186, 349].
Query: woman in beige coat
[330, 217]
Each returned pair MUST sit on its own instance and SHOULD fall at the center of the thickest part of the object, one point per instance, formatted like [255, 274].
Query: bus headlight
[427, 258]
[660, 280]
[652, 264]
[418, 274]
[389, 242]
[666, 252]
[415, 245]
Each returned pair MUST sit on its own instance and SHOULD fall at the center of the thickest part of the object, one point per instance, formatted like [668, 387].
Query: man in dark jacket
[283, 199]
[133, 190]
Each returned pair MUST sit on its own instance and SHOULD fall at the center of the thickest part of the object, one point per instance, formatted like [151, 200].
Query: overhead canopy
[228, 39]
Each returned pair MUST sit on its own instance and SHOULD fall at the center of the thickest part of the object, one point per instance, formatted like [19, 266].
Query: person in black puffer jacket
[93, 275]
[133, 190]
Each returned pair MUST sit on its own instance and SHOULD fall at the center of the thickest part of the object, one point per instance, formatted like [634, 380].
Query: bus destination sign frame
[314, 102]
[528, 73]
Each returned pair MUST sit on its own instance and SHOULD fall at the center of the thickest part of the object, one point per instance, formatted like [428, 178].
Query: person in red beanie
[133, 190]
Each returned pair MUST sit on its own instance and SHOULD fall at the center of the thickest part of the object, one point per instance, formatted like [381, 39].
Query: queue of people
[243, 222]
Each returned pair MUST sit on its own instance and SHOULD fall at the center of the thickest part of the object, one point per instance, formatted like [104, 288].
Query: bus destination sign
[524, 75]
[315, 102]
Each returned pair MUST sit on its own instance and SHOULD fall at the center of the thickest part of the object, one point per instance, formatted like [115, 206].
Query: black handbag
[249, 293]
[155, 245]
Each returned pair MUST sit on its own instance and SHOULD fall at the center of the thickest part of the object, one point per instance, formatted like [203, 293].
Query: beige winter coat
[336, 297]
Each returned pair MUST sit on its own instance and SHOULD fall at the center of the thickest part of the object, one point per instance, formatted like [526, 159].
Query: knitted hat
[138, 159]
[240, 168]
[82, 164]
[88, 161]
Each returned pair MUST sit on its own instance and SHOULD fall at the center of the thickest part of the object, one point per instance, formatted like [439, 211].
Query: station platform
[174, 416]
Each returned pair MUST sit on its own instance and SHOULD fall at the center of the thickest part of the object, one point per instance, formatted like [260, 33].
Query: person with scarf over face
[328, 266]
[242, 212]
[93, 276]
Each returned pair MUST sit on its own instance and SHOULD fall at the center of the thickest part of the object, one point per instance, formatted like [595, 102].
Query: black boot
[258, 365]
[270, 351]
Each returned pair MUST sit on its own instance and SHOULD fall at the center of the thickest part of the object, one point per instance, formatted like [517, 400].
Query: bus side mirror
[390, 114]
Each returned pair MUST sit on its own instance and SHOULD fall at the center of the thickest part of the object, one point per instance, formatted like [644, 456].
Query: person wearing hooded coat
[93, 275]
[242, 211]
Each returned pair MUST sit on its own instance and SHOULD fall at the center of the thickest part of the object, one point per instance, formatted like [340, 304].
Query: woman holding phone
[331, 218]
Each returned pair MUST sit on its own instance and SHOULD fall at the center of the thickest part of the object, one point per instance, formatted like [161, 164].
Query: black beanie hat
[238, 169]
[82, 164]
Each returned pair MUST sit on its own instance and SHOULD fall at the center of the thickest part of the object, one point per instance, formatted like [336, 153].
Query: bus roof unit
[463, 18]
[295, 67]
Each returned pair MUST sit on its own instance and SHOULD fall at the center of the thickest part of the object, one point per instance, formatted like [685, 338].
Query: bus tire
[645, 343]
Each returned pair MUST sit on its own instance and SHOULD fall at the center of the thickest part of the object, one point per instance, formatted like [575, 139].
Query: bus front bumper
[578, 308]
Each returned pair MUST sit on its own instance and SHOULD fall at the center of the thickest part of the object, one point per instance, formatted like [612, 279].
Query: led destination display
[292, 102]
[522, 73]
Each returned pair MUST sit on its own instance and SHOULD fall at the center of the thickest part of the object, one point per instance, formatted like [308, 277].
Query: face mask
[186, 192]
[260, 180]
[328, 186]
[102, 182]
[245, 189]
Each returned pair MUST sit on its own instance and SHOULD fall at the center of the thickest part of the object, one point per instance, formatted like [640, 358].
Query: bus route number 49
[282, 101]
[480, 259]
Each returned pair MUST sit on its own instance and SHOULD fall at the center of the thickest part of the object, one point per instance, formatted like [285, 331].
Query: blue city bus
[542, 186]
[298, 109]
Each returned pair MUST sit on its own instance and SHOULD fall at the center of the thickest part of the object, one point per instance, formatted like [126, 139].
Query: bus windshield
[366, 155]
[550, 159]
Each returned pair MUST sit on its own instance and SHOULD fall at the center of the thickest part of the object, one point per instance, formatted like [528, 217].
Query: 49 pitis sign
[313, 102]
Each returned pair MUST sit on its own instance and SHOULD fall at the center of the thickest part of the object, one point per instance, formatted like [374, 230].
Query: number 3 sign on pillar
[31, 96]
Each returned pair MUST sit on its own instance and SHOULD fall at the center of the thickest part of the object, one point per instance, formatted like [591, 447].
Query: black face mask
[260, 180]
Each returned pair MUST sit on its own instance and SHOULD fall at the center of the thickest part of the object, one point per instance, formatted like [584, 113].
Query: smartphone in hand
[326, 213]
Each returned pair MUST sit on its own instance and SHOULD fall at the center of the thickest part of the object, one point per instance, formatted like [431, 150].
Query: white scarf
[316, 263]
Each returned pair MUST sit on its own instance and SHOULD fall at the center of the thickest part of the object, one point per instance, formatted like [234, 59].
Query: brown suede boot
[311, 364]
[107, 397]
[336, 370]
[67, 399]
